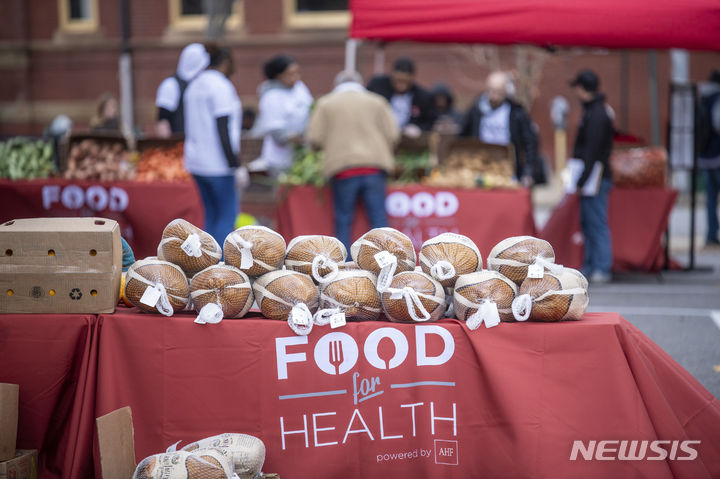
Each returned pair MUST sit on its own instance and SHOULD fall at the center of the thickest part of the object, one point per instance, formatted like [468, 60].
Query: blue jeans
[712, 188]
[597, 254]
[220, 202]
[346, 192]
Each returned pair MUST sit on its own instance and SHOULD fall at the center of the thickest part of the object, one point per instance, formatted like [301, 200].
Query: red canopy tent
[689, 24]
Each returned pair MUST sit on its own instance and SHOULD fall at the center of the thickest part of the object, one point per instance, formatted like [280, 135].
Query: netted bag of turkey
[220, 291]
[447, 256]
[413, 296]
[189, 247]
[177, 465]
[512, 257]
[384, 251]
[352, 293]
[255, 250]
[247, 453]
[288, 296]
[316, 255]
[157, 286]
[484, 297]
[554, 297]
[216, 457]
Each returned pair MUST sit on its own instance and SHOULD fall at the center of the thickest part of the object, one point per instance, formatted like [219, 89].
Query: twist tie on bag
[156, 297]
[192, 246]
[412, 300]
[487, 313]
[300, 319]
[335, 317]
[549, 265]
[442, 270]
[173, 447]
[322, 261]
[521, 307]
[388, 265]
[211, 313]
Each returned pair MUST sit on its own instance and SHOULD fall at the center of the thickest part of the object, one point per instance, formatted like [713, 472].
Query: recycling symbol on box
[75, 294]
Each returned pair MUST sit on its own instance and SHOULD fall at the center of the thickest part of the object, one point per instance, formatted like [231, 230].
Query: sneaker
[598, 277]
[712, 244]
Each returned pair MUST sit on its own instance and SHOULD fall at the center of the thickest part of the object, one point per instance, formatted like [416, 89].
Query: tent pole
[379, 59]
[351, 55]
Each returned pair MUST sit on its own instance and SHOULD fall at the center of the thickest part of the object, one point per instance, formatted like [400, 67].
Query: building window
[317, 13]
[79, 16]
[193, 15]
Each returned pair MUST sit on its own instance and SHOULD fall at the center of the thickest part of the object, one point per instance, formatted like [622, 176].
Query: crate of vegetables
[24, 158]
[477, 156]
[97, 157]
[160, 160]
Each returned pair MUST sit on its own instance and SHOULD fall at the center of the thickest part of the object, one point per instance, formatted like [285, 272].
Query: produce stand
[527, 387]
[421, 212]
[142, 209]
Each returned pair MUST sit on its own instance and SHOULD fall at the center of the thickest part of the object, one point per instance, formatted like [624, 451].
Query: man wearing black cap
[411, 104]
[593, 145]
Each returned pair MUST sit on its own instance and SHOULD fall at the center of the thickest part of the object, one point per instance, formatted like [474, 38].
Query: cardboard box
[9, 394]
[60, 265]
[116, 441]
[23, 466]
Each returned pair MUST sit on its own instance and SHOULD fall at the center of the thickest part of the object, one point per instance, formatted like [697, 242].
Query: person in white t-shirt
[283, 112]
[169, 99]
[213, 119]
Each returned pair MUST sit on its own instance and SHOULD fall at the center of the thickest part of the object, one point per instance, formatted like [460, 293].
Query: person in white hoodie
[169, 98]
[213, 119]
[283, 112]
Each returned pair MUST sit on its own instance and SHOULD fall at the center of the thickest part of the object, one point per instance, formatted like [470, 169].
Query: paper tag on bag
[151, 296]
[192, 246]
[490, 314]
[337, 320]
[384, 258]
[536, 271]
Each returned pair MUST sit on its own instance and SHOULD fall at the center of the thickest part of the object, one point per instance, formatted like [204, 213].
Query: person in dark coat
[449, 119]
[593, 146]
[411, 104]
[709, 152]
[494, 118]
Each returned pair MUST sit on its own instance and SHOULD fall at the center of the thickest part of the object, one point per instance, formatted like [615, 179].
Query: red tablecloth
[426, 401]
[142, 209]
[486, 216]
[53, 358]
[638, 219]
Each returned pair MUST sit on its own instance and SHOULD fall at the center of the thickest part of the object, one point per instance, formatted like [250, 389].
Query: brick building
[59, 56]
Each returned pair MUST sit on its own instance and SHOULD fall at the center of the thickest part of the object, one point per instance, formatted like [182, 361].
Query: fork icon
[335, 355]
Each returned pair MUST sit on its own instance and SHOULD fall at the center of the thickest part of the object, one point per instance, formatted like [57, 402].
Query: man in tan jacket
[357, 131]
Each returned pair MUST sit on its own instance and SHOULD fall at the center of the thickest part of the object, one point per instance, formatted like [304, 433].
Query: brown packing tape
[116, 442]
[23, 466]
[9, 394]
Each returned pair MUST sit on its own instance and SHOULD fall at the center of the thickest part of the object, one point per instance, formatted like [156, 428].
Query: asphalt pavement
[680, 309]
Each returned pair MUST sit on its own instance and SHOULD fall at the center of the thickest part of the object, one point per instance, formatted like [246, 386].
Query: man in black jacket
[494, 118]
[593, 145]
[411, 104]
